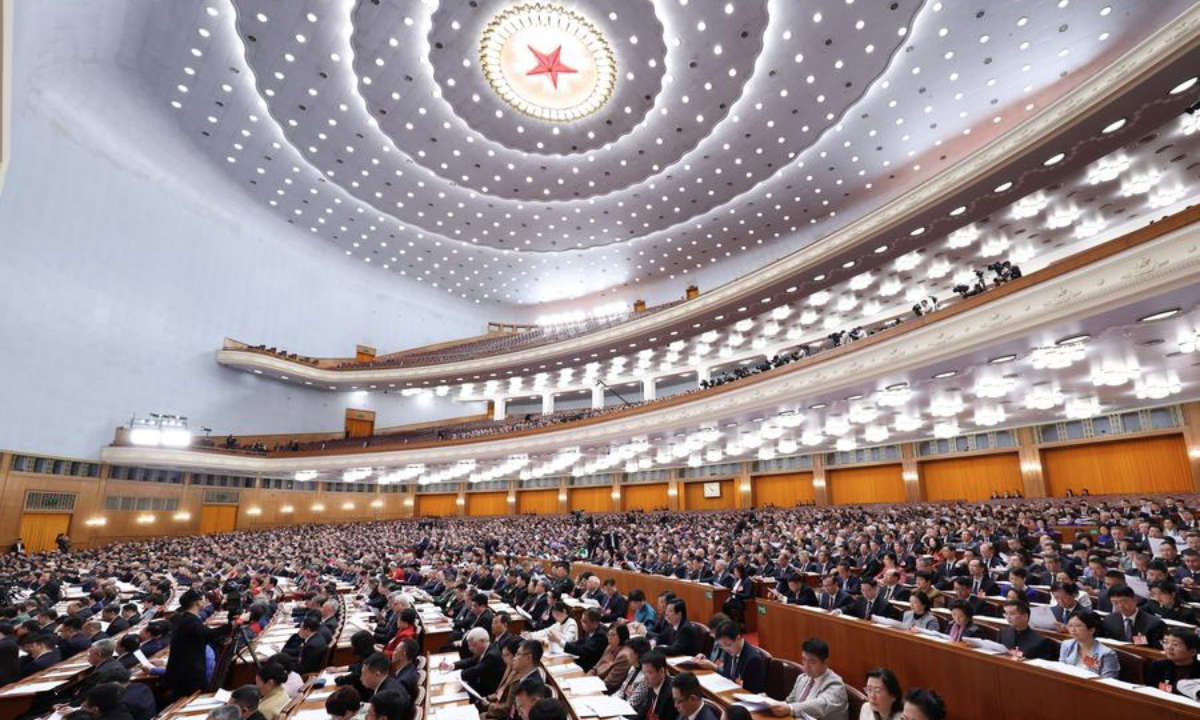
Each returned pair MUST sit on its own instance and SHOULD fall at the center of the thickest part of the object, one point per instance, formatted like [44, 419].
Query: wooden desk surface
[703, 600]
[976, 686]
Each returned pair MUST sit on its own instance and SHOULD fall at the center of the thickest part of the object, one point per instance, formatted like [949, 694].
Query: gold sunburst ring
[547, 62]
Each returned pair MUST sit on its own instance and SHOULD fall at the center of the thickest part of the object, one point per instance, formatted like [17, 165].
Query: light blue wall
[126, 258]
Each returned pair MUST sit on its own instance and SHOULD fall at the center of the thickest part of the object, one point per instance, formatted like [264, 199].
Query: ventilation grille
[39, 501]
[221, 497]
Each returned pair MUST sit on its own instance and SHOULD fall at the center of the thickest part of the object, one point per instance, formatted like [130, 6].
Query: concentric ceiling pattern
[731, 126]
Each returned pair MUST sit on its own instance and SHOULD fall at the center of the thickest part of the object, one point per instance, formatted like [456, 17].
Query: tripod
[237, 639]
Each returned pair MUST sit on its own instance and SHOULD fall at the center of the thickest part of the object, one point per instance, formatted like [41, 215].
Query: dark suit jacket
[42, 662]
[313, 653]
[1032, 644]
[839, 601]
[10, 663]
[589, 648]
[1145, 623]
[664, 704]
[185, 665]
[750, 667]
[116, 627]
[484, 674]
[687, 639]
[616, 607]
[138, 699]
[707, 713]
[409, 676]
[864, 608]
[805, 596]
[74, 645]
[899, 592]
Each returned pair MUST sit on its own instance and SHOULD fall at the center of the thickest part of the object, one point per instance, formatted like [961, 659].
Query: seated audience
[1021, 640]
[1083, 650]
[1180, 647]
[885, 701]
[819, 692]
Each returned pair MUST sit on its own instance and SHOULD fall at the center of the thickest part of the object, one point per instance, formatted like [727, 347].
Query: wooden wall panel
[591, 499]
[864, 485]
[487, 503]
[537, 502]
[218, 519]
[651, 496]
[971, 478]
[1141, 465]
[440, 505]
[787, 490]
[693, 496]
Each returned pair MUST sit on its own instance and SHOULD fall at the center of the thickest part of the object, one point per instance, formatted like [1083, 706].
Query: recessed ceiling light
[1002, 359]
[958, 211]
[817, 406]
[945, 374]
[1073, 339]
[1161, 315]
[896, 386]
[852, 398]
[881, 249]
[1115, 126]
[1054, 159]
[1003, 186]
[1183, 86]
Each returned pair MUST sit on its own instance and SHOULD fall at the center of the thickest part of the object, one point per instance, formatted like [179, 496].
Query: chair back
[857, 700]
[1133, 667]
[781, 677]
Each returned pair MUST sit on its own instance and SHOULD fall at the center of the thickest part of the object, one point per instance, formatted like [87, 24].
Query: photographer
[186, 664]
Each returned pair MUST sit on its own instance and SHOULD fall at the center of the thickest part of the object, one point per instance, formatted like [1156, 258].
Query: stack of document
[753, 703]
[716, 683]
[601, 706]
[586, 685]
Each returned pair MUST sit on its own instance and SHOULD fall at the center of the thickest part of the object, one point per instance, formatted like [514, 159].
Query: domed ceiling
[515, 153]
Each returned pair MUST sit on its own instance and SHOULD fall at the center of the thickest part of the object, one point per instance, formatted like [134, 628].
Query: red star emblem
[549, 64]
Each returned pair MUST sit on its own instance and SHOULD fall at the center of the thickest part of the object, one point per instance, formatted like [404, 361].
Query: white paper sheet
[1056, 666]
[31, 688]
[753, 703]
[458, 712]
[717, 683]
[601, 706]
[443, 699]
[587, 685]
[566, 669]
[1042, 618]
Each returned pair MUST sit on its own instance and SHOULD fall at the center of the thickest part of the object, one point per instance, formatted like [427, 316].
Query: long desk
[703, 600]
[976, 686]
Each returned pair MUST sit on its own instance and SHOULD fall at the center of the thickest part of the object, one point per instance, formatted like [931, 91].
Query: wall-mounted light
[376, 503]
[160, 430]
[616, 494]
[145, 519]
[318, 507]
[511, 499]
[1030, 467]
[460, 501]
[347, 506]
[408, 502]
[910, 476]
[287, 509]
[182, 515]
[254, 511]
[672, 492]
[96, 522]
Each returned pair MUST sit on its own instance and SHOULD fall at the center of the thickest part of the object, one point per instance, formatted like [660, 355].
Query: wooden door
[39, 530]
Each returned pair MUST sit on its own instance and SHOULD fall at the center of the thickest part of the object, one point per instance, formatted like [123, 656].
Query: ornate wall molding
[1164, 264]
[1175, 38]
